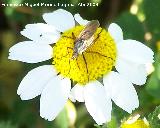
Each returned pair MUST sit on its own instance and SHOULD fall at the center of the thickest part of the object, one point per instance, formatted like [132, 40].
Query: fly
[85, 38]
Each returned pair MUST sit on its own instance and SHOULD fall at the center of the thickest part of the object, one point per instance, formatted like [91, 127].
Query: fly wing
[89, 30]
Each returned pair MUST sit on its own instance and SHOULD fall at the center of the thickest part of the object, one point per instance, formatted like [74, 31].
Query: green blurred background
[139, 19]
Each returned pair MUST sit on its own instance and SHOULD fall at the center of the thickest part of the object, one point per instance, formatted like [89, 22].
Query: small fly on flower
[85, 38]
[83, 41]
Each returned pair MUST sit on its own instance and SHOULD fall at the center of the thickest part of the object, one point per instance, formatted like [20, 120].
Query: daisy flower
[54, 40]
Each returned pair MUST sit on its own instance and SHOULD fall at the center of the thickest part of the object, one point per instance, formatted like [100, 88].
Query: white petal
[54, 97]
[34, 82]
[116, 32]
[61, 19]
[136, 73]
[30, 52]
[80, 20]
[98, 104]
[122, 91]
[48, 38]
[135, 51]
[77, 93]
[42, 33]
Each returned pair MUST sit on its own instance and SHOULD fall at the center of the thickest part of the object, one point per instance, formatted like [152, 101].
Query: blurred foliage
[7, 125]
[139, 20]
[152, 20]
[153, 86]
[128, 22]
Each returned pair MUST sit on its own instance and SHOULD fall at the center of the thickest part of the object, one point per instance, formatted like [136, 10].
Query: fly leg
[98, 36]
[77, 63]
[72, 59]
[69, 60]
[69, 67]
[73, 36]
[67, 52]
[68, 37]
[99, 54]
[85, 64]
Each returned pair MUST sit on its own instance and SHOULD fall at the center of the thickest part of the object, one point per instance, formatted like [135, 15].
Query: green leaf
[62, 119]
[113, 123]
[97, 126]
[153, 118]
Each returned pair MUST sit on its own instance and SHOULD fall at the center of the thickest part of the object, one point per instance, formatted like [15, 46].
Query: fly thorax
[80, 46]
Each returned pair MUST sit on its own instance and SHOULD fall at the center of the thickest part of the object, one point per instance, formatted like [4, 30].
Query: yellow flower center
[96, 60]
[137, 124]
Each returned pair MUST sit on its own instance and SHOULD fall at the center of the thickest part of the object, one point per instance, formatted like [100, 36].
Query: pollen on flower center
[98, 59]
